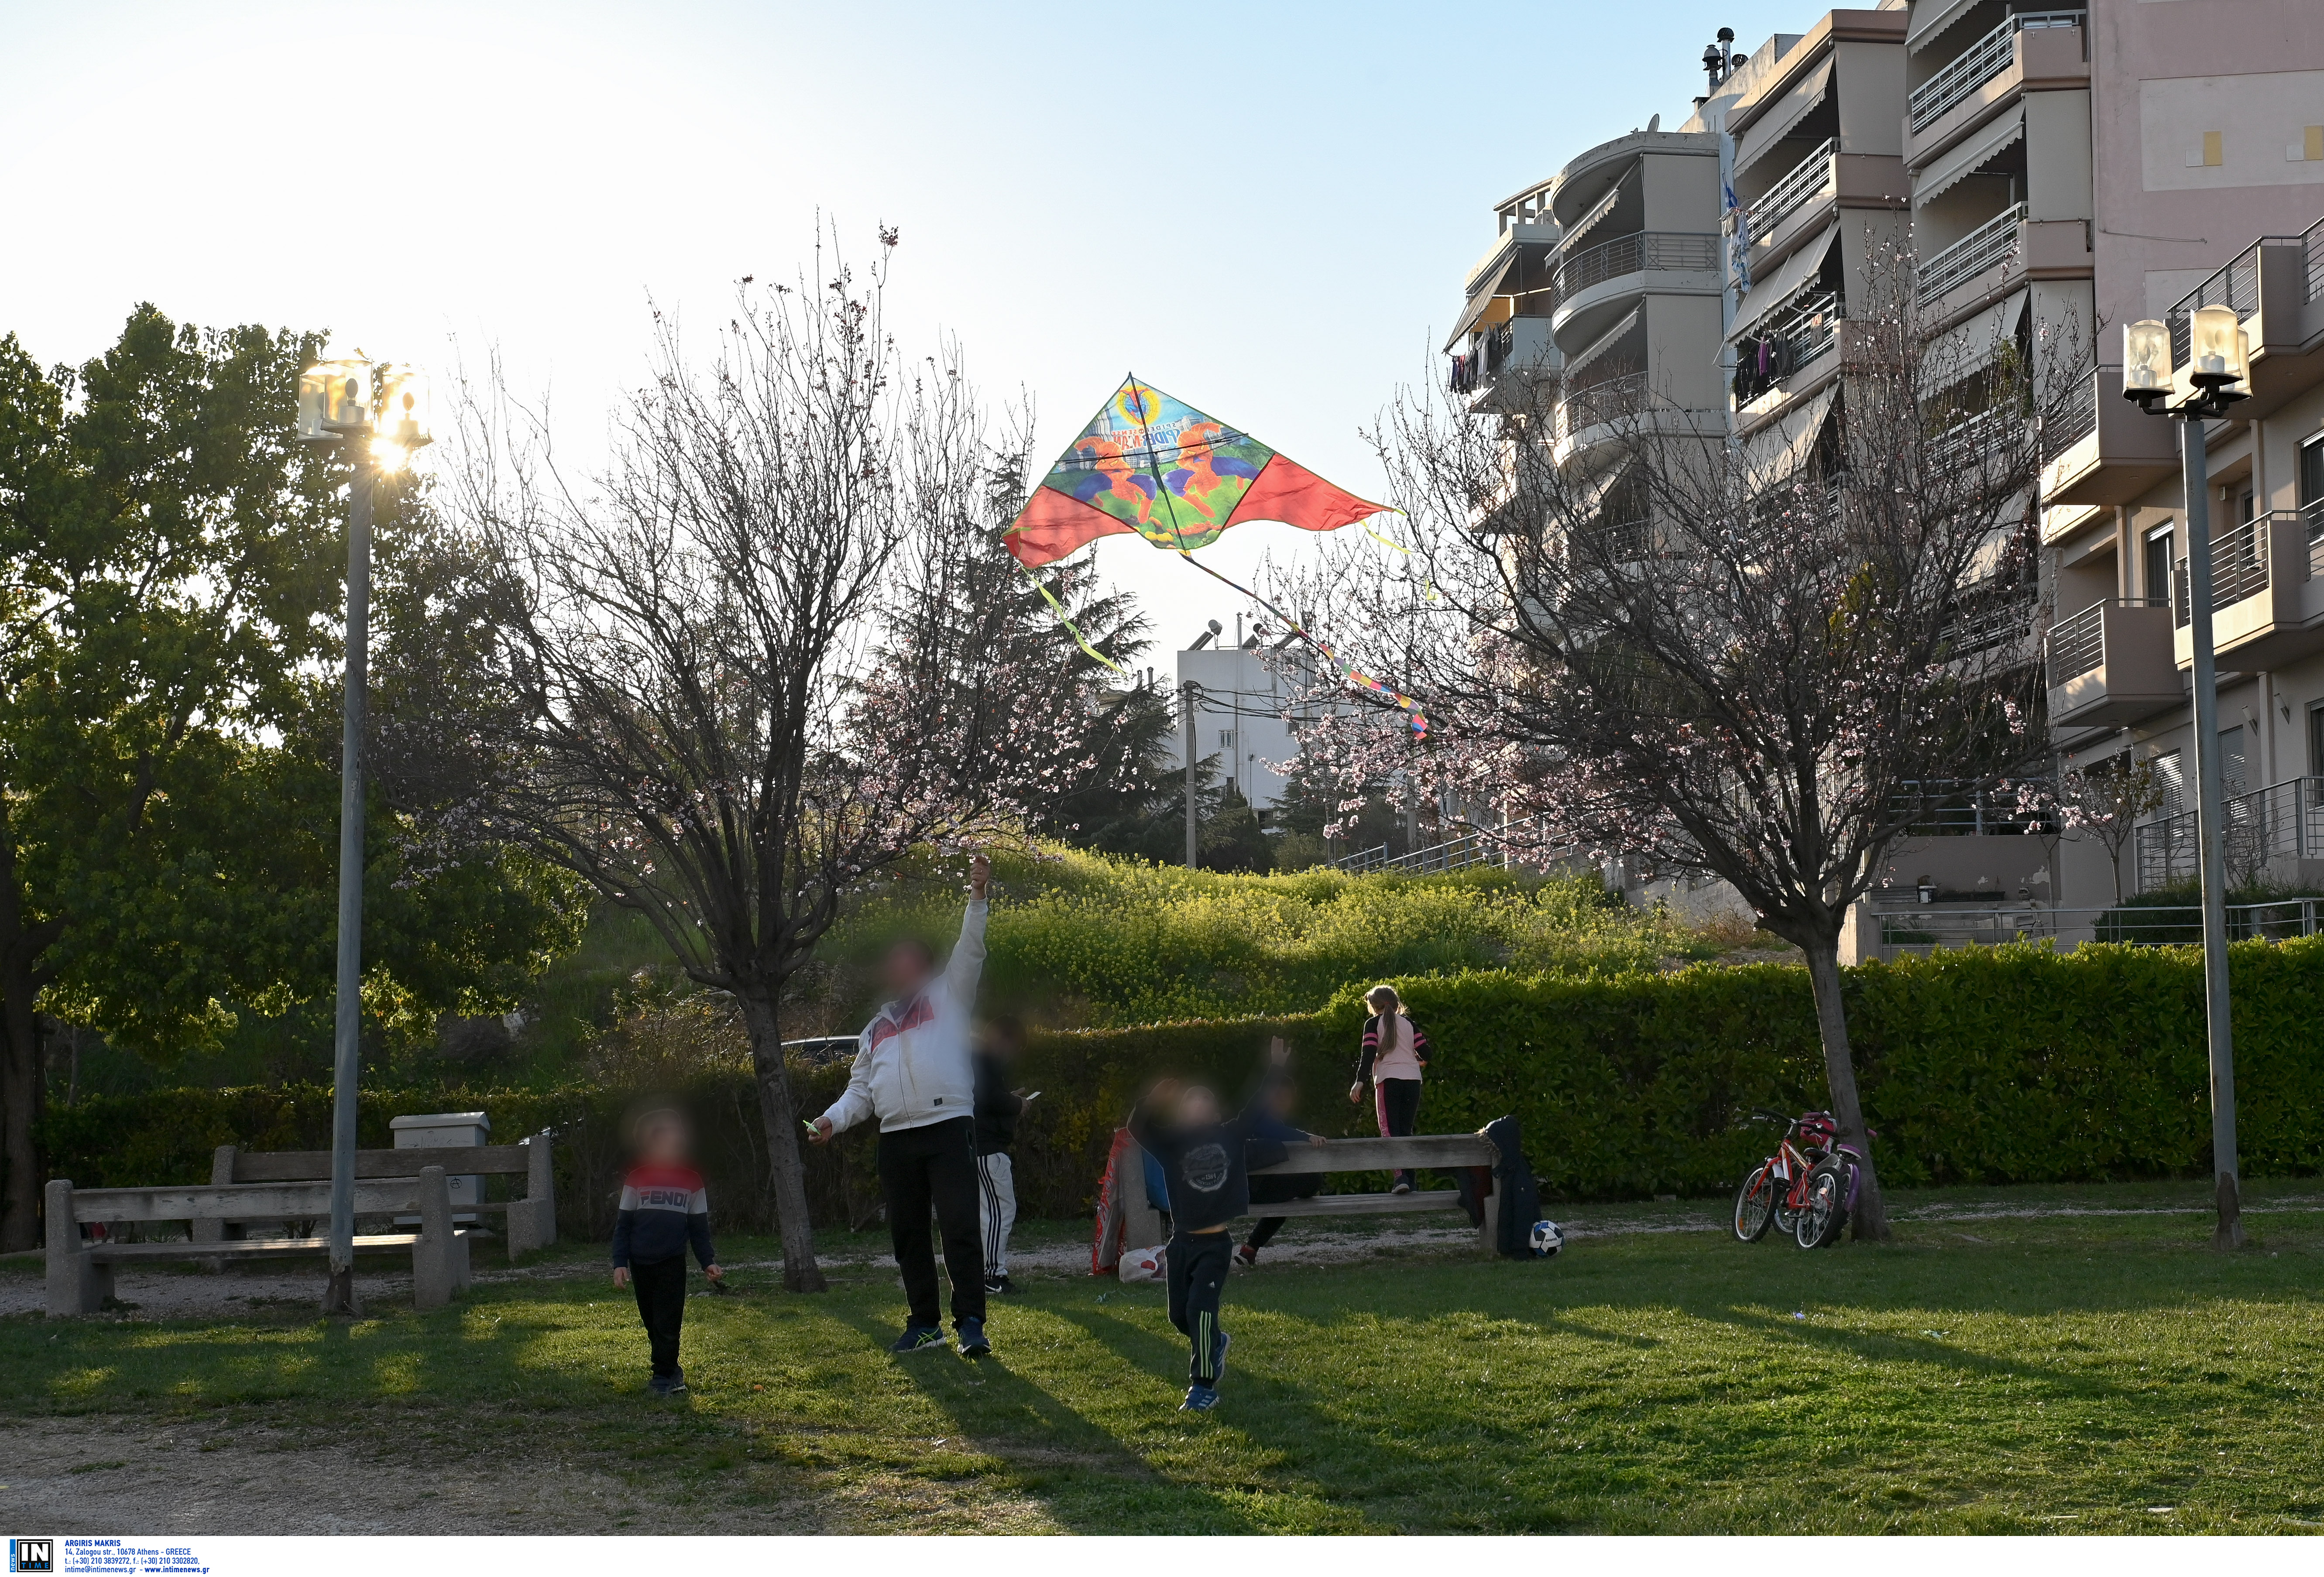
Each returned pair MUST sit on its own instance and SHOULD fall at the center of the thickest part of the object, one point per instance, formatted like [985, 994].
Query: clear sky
[1265, 209]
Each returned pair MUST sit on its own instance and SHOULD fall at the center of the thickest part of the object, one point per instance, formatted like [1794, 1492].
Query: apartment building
[2053, 174]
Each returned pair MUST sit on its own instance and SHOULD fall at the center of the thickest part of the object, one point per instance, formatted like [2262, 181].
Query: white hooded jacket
[912, 1064]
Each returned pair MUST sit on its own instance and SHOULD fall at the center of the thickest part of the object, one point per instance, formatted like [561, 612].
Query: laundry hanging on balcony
[1180, 478]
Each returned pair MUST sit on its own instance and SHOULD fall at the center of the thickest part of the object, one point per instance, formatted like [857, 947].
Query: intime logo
[32, 1554]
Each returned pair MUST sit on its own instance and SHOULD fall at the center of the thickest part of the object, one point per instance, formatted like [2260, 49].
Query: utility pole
[1189, 694]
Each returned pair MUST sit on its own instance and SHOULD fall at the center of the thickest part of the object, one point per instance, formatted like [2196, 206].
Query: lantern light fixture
[2215, 357]
[334, 399]
[2145, 360]
[402, 426]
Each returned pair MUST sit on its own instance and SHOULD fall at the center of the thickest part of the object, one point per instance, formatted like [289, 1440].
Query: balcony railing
[2311, 242]
[1953, 807]
[2311, 520]
[1791, 342]
[2238, 568]
[2236, 285]
[1636, 253]
[2284, 821]
[1919, 930]
[2079, 419]
[1979, 64]
[2078, 645]
[1989, 621]
[1808, 180]
[1990, 242]
[1987, 434]
[1609, 400]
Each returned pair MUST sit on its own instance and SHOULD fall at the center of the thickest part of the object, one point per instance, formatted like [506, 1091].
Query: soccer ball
[1547, 1239]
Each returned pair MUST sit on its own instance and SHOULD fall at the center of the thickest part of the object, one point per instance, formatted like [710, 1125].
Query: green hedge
[1979, 1066]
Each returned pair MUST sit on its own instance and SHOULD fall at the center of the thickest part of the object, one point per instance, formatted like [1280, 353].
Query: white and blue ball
[1547, 1239]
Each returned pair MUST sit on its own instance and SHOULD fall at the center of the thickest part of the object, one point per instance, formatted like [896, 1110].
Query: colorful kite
[1151, 465]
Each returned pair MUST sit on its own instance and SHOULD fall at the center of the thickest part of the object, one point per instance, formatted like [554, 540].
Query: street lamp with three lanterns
[2216, 375]
[379, 419]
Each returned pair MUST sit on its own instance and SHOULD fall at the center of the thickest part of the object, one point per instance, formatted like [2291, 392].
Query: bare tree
[1760, 662]
[2104, 801]
[740, 674]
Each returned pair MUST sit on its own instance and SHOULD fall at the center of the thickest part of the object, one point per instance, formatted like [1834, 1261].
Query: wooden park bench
[528, 1224]
[80, 1272]
[1142, 1223]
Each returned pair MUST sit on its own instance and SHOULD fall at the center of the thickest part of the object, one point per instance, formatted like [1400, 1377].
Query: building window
[2235, 769]
[1226, 739]
[2157, 567]
[2316, 739]
[2170, 783]
[2311, 473]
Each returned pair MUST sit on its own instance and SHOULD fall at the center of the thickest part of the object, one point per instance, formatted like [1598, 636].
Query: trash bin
[448, 1130]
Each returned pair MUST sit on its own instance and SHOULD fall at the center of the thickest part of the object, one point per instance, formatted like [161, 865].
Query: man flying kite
[1148, 464]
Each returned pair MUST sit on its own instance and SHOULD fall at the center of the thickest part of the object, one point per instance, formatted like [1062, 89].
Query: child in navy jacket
[664, 1211]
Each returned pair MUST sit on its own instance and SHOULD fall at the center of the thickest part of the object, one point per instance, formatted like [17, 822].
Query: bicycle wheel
[1825, 1218]
[1754, 1205]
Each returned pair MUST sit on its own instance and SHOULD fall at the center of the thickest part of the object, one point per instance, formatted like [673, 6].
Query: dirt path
[112, 1475]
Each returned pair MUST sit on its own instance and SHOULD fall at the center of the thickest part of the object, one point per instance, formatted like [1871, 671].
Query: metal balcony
[1643, 251]
[1808, 180]
[1991, 243]
[2284, 821]
[1979, 64]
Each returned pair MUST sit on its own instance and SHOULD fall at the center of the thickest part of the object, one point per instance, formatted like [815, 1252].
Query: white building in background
[1243, 697]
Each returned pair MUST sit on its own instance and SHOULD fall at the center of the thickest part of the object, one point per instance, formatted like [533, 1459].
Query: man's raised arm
[966, 966]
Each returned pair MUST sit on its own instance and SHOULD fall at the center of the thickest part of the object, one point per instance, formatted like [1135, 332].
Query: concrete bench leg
[78, 1284]
[435, 1257]
[214, 1231]
[532, 1219]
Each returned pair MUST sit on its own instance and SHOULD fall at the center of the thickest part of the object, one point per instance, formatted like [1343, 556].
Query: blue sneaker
[920, 1338]
[1200, 1399]
[972, 1344]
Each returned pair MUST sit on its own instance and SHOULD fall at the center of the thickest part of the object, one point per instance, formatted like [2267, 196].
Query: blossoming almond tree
[1757, 661]
[737, 675]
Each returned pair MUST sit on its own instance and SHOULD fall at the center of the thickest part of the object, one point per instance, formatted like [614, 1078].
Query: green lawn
[1985, 1373]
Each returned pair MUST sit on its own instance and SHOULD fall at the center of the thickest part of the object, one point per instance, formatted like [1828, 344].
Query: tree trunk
[19, 1061]
[1870, 1216]
[788, 1167]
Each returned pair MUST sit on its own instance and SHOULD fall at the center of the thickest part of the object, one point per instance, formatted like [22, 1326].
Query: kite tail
[1414, 715]
[1072, 629]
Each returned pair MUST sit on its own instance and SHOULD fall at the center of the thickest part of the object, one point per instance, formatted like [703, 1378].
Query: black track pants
[1398, 1104]
[935, 1165]
[660, 1287]
[1198, 1274]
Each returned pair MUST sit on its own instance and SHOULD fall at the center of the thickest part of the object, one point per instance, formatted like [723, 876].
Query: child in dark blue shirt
[664, 1209]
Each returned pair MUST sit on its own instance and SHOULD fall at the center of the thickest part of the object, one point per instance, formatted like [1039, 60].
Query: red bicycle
[1806, 1189]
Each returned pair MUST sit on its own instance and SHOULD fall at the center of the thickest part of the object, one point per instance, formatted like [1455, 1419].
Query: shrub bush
[2011, 1064]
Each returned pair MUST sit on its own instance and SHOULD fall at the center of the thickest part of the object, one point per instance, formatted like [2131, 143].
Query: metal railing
[1983, 434]
[1809, 179]
[2080, 419]
[1979, 64]
[1922, 930]
[1991, 622]
[2078, 645]
[2311, 242]
[1596, 404]
[1473, 846]
[1644, 250]
[1947, 808]
[2238, 568]
[2284, 821]
[1990, 242]
[2235, 285]
[2312, 515]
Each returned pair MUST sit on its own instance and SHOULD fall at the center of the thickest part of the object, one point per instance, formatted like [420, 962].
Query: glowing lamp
[2215, 349]
[333, 398]
[2146, 359]
[402, 426]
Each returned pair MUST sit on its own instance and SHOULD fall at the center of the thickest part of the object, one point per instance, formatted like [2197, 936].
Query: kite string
[1419, 719]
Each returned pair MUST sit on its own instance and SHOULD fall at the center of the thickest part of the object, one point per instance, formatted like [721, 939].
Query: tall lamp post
[2215, 378]
[378, 420]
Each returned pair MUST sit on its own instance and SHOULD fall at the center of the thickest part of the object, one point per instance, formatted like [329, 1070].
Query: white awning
[1598, 210]
[1964, 160]
[1930, 18]
[1776, 123]
[1784, 283]
[1605, 341]
[1781, 448]
[1970, 345]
